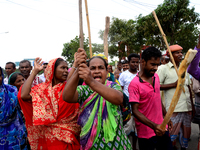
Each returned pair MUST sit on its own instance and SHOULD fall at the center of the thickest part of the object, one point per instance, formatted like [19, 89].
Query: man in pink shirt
[144, 96]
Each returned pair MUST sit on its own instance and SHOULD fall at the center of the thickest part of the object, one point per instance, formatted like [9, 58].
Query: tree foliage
[71, 48]
[97, 48]
[178, 21]
[121, 33]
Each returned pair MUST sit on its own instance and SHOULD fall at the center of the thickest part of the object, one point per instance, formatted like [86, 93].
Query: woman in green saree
[100, 115]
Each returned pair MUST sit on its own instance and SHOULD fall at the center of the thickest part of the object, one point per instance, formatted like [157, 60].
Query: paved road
[193, 143]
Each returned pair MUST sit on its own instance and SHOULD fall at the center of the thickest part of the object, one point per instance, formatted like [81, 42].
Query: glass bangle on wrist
[74, 67]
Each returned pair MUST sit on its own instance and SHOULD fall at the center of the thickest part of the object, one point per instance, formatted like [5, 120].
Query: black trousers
[156, 142]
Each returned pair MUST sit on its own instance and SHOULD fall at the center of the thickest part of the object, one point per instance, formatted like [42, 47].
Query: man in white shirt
[9, 68]
[182, 114]
[42, 76]
[125, 78]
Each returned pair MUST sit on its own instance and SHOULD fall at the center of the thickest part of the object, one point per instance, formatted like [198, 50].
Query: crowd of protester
[93, 105]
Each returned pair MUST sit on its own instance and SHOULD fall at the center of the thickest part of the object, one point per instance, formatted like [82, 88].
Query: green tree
[178, 21]
[71, 48]
[112, 63]
[122, 33]
[97, 48]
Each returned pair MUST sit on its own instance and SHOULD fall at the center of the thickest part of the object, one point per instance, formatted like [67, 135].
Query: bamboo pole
[105, 36]
[165, 39]
[181, 79]
[88, 24]
[81, 37]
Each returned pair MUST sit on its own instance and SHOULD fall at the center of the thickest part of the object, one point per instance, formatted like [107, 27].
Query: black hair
[24, 61]
[162, 58]
[105, 64]
[133, 55]
[150, 52]
[125, 62]
[13, 64]
[58, 61]
[119, 62]
[13, 77]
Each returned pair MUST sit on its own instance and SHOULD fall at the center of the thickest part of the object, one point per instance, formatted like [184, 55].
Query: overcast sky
[32, 28]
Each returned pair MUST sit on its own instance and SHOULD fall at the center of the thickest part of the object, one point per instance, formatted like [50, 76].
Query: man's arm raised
[26, 88]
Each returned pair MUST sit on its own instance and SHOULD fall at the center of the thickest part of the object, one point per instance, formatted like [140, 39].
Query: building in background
[29, 59]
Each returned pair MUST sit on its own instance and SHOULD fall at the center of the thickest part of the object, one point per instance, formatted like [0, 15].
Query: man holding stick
[144, 96]
[181, 117]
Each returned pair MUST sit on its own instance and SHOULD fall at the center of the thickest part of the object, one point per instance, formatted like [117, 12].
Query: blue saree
[13, 134]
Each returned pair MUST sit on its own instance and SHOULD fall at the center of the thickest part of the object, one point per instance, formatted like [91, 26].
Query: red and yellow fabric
[51, 122]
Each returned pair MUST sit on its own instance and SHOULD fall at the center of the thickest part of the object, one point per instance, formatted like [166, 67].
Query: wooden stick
[181, 79]
[105, 36]
[165, 39]
[81, 37]
[88, 23]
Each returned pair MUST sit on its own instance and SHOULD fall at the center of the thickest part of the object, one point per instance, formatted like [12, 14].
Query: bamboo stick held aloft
[181, 79]
[105, 36]
[88, 24]
[165, 40]
[81, 37]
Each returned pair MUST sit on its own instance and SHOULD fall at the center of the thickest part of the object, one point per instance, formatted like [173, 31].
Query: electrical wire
[22, 5]
[124, 5]
[195, 3]
[141, 3]
[47, 13]
[144, 9]
[91, 9]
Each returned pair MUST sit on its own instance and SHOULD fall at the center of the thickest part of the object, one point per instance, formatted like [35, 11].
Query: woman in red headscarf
[51, 122]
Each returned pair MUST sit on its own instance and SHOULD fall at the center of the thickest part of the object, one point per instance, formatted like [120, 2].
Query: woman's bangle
[74, 67]
[33, 72]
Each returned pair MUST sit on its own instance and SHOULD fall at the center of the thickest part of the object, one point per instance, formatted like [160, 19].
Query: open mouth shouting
[97, 78]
